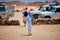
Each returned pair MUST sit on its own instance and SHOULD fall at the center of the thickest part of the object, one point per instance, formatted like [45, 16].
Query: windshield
[2, 8]
[44, 8]
[52, 9]
[41, 8]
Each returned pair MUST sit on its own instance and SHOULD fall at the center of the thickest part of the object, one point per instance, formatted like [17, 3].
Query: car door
[57, 13]
[10, 11]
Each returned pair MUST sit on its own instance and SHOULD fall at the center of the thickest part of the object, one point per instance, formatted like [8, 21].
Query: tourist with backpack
[25, 13]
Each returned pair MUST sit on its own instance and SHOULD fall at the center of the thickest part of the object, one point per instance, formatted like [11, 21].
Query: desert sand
[29, 7]
[39, 32]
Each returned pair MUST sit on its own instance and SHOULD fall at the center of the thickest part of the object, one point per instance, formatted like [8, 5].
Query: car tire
[35, 16]
[47, 17]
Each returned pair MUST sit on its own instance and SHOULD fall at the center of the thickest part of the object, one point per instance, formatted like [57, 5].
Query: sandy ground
[39, 32]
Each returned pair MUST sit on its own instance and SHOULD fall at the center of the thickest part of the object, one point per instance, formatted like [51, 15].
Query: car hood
[36, 11]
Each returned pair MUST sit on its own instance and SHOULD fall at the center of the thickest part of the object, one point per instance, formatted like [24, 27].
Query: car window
[41, 8]
[52, 9]
[2, 8]
[47, 8]
[58, 10]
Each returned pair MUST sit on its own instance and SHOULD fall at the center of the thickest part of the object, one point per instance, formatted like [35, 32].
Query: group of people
[27, 19]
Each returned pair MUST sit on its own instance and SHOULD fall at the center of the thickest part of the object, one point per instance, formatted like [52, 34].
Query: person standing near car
[29, 23]
[25, 12]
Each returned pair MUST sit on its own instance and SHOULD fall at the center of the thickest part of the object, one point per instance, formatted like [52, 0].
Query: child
[29, 21]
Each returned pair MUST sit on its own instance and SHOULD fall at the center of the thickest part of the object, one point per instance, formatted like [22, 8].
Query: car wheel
[35, 16]
[47, 17]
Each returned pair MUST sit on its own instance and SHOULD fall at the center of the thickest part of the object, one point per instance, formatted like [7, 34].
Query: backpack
[25, 13]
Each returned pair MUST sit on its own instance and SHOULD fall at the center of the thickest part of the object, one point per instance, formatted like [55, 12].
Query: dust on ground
[39, 32]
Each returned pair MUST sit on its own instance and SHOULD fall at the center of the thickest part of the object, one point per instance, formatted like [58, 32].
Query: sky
[31, 0]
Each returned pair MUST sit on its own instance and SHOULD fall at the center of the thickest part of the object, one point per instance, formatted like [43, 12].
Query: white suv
[53, 12]
[6, 11]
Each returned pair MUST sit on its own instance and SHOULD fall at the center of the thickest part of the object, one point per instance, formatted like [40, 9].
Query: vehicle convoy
[46, 11]
[6, 12]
